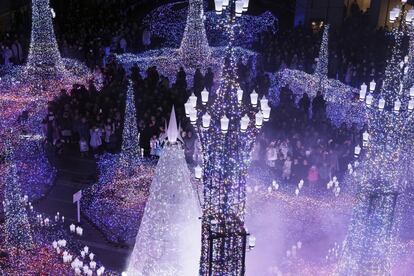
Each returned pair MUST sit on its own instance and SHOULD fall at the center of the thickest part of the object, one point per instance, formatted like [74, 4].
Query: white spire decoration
[172, 132]
[168, 241]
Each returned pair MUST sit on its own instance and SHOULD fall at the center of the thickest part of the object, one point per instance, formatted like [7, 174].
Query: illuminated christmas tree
[168, 240]
[44, 58]
[195, 50]
[17, 227]
[322, 63]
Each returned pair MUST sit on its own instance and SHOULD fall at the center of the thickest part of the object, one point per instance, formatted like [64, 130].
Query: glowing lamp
[188, 107]
[244, 122]
[239, 8]
[266, 113]
[54, 244]
[206, 120]
[193, 116]
[357, 150]
[362, 94]
[369, 99]
[225, 3]
[412, 92]
[364, 87]
[92, 265]
[198, 172]
[124, 274]
[411, 105]
[193, 100]
[253, 98]
[224, 123]
[239, 95]
[259, 119]
[397, 105]
[72, 228]
[252, 241]
[219, 6]
[245, 5]
[372, 85]
[381, 104]
[264, 102]
[365, 138]
[204, 96]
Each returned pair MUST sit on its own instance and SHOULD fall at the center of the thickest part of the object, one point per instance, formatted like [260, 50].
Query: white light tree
[194, 48]
[168, 240]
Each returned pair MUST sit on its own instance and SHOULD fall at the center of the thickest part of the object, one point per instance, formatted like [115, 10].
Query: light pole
[227, 128]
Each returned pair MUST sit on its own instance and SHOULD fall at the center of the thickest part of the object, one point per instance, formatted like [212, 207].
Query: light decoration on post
[383, 171]
[363, 92]
[226, 146]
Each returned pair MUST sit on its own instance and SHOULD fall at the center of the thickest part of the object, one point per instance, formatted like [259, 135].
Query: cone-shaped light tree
[17, 227]
[321, 69]
[168, 240]
[195, 50]
[44, 58]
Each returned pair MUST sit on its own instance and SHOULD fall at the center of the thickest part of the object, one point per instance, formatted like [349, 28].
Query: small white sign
[77, 196]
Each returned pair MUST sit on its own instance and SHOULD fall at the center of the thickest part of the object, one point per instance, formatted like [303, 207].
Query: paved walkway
[75, 174]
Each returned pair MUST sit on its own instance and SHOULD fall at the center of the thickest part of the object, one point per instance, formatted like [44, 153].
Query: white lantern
[239, 8]
[369, 99]
[188, 107]
[219, 6]
[253, 98]
[224, 122]
[91, 256]
[72, 228]
[300, 184]
[198, 172]
[193, 116]
[252, 241]
[239, 95]
[397, 105]
[364, 87]
[264, 102]
[266, 113]
[204, 96]
[411, 105]
[372, 85]
[412, 92]
[206, 120]
[357, 150]
[365, 137]
[362, 94]
[54, 244]
[92, 265]
[244, 122]
[193, 100]
[381, 104]
[245, 5]
[259, 119]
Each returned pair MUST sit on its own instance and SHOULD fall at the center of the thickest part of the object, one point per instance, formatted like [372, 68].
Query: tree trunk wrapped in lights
[227, 131]
[17, 227]
[195, 50]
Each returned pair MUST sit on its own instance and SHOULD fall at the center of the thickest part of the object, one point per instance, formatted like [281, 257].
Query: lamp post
[227, 128]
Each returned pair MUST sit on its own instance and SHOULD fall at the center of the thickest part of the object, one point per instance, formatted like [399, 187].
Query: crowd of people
[299, 143]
